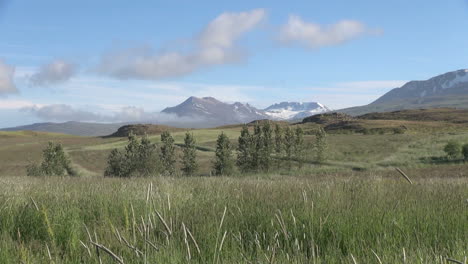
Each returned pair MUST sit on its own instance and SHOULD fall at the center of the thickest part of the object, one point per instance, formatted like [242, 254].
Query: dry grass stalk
[375, 254]
[194, 241]
[454, 261]
[109, 252]
[87, 248]
[354, 260]
[168, 229]
[404, 175]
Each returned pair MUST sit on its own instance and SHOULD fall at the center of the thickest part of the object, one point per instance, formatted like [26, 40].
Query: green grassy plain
[354, 208]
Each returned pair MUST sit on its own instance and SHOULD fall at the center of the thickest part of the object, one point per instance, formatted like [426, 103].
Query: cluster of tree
[455, 150]
[256, 152]
[143, 158]
[55, 162]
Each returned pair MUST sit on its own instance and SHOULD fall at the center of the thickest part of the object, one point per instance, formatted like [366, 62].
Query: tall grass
[266, 219]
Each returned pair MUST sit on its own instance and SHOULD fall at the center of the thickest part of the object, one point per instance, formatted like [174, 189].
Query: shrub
[453, 149]
[465, 151]
[55, 162]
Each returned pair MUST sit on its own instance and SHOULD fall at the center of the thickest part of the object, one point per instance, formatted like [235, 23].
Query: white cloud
[312, 35]
[215, 45]
[57, 71]
[15, 104]
[7, 73]
[64, 112]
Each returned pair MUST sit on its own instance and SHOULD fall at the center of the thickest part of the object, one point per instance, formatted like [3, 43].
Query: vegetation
[139, 159]
[189, 158]
[168, 157]
[352, 207]
[321, 145]
[54, 163]
[330, 219]
[465, 151]
[223, 164]
[453, 149]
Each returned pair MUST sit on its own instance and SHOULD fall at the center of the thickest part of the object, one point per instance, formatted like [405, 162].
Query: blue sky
[110, 61]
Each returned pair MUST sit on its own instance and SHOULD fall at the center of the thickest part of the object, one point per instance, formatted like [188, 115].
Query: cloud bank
[64, 113]
[314, 36]
[7, 73]
[215, 45]
[57, 71]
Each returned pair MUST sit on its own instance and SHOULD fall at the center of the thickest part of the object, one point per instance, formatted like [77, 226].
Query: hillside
[70, 128]
[442, 91]
[142, 129]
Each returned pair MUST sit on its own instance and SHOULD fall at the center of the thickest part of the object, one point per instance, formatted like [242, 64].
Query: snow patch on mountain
[295, 110]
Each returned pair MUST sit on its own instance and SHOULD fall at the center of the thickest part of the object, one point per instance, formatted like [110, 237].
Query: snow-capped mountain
[215, 112]
[295, 110]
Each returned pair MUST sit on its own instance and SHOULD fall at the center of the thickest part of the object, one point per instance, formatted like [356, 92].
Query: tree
[168, 158]
[244, 149]
[256, 147]
[299, 145]
[278, 139]
[453, 149]
[288, 144]
[138, 159]
[148, 160]
[55, 162]
[267, 147]
[223, 164]
[321, 145]
[189, 158]
[115, 165]
[465, 151]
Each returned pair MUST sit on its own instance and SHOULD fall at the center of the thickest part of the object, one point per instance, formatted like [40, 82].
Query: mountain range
[446, 90]
[194, 113]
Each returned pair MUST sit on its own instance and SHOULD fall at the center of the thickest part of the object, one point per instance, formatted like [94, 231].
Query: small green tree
[168, 158]
[148, 159]
[278, 139]
[299, 145]
[115, 165]
[267, 147]
[244, 149]
[189, 158]
[321, 145]
[465, 151]
[289, 145]
[453, 149]
[256, 147]
[138, 159]
[55, 162]
[223, 164]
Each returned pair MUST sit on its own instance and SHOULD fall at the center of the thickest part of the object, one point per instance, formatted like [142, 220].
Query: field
[354, 208]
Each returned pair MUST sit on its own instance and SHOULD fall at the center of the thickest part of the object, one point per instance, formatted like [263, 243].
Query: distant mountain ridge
[213, 111]
[222, 113]
[71, 128]
[295, 110]
[446, 90]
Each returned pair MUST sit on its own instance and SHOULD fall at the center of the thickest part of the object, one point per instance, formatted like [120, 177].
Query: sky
[117, 61]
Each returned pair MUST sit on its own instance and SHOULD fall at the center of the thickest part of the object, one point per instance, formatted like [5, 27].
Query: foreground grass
[271, 219]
